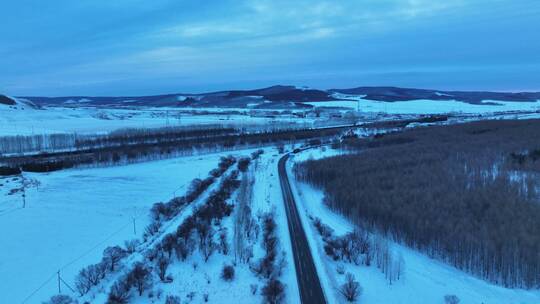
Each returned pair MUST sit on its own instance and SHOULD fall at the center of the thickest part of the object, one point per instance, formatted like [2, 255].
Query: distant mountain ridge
[393, 94]
[282, 96]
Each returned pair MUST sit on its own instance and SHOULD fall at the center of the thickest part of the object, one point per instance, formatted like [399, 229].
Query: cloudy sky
[121, 47]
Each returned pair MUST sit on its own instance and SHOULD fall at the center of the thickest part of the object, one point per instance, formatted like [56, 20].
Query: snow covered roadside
[425, 280]
[75, 214]
[267, 197]
[326, 273]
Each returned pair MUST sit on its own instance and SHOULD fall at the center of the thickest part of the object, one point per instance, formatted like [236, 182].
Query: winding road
[306, 274]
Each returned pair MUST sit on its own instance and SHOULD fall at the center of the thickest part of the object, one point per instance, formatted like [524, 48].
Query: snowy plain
[74, 214]
[197, 277]
[429, 106]
[28, 121]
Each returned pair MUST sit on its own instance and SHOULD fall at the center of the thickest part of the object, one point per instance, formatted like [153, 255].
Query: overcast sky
[120, 47]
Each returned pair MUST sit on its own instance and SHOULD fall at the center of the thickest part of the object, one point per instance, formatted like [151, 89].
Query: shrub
[243, 164]
[227, 273]
[152, 229]
[131, 246]
[120, 292]
[256, 154]
[61, 299]
[172, 300]
[273, 291]
[451, 299]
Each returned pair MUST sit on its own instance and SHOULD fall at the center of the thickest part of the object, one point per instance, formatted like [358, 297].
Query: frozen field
[75, 214]
[430, 106]
[197, 277]
[425, 280]
[91, 120]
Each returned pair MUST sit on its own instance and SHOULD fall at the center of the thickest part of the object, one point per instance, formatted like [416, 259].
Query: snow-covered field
[29, 121]
[199, 278]
[425, 280]
[91, 120]
[74, 214]
[193, 277]
[430, 106]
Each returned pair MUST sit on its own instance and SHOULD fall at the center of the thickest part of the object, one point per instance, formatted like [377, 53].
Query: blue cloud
[144, 47]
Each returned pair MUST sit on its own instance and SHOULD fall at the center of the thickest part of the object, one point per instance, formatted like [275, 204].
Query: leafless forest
[465, 194]
[129, 146]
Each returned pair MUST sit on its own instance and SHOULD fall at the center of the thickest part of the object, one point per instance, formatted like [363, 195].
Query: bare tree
[351, 288]
[113, 255]
[141, 277]
[162, 265]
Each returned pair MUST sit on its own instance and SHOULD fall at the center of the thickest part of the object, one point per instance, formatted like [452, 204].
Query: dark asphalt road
[306, 274]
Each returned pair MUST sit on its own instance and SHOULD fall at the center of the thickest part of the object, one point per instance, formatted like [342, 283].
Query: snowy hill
[288, 97]
[271, 97]
[393, 94]
[16, 103]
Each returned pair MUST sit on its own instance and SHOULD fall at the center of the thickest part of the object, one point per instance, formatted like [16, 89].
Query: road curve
[306, 274]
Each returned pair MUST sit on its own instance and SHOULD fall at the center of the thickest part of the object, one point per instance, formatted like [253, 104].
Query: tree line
[120, 154]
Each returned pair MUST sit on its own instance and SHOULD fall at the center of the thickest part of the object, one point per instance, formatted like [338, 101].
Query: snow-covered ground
[92, 120]
[267, 197]
[429, 106]
[200, 278]
[425, 280]
[28, 121]
[194, 276]
[74, 214]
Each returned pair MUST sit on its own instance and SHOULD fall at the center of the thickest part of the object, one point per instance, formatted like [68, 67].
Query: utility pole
[134, 218]
[23, 182]
[58, 275]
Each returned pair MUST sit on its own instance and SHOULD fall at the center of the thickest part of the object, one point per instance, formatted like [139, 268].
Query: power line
[39, 288]
[57, 274]
[95, 246]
